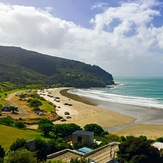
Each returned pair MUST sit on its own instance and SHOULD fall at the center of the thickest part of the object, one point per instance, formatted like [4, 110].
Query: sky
[124, 37]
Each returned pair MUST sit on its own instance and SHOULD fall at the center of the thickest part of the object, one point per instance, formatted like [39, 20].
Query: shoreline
[113, 117]
[85, 111]
[136, 111]
[141, 114]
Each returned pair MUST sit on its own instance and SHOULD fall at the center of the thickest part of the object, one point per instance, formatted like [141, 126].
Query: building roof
[102, 154]
[82, 132]
[158, 145]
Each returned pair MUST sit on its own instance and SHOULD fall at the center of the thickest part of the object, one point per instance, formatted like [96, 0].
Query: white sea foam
[100, 94]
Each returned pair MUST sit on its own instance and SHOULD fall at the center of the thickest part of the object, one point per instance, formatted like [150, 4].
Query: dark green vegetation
[10, 122]
[98, 130]
[48, 129]
[22, 67]
[21, 156]
[138, 150]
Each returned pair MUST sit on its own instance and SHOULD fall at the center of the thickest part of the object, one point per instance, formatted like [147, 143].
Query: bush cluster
[10, 122]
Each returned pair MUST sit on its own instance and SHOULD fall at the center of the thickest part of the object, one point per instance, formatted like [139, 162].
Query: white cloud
[123, 41]
[100, 5]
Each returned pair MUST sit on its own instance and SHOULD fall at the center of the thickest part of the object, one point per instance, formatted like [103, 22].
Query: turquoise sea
[135, 91]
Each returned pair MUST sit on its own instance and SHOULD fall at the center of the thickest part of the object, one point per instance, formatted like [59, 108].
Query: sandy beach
[116, 118]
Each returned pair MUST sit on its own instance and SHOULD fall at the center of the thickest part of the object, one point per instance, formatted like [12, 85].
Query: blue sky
[78, 11]
[123, 37]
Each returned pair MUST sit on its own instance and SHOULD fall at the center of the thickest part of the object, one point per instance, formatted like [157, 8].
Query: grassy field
[4, 94]
[3, 102]
[47, 106]
[9, 134]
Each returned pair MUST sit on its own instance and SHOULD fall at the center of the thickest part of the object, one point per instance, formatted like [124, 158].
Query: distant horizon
[123, 37]
[145, 77]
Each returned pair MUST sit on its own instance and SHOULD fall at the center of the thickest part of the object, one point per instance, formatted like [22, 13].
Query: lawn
[4, 94]
[9, 134]
[3, 102]
[48, 106]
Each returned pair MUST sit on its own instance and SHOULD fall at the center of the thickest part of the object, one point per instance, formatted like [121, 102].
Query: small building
[158, 145]
[81, 136]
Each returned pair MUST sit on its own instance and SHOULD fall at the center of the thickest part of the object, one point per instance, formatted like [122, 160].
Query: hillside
[23, 67]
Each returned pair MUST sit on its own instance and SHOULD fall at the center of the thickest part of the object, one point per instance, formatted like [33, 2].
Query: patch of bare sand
[151, 131]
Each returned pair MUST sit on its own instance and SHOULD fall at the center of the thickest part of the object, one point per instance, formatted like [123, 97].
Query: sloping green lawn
[9, 134]
[4, 94]
[48, 106]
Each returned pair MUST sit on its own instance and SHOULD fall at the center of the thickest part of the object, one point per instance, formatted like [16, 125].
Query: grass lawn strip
[9, 134]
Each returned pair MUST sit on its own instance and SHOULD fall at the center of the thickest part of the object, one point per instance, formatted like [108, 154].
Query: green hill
[23, 67]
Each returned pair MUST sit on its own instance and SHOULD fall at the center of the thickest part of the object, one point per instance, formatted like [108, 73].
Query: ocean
[134, 91]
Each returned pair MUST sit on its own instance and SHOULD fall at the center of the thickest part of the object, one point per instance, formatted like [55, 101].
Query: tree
[22, 96]
[45, 126]
[44, 121]
[55, 145]
[46, 129]
[6, 121]
[14, 108]
[136, 150]
[2, 154]
[20, 156]
[40, 148]
[63, 130]
[18, 144]
[98, 130]
[34, 102]
[19, 125]
[160, 139]
[142, 137]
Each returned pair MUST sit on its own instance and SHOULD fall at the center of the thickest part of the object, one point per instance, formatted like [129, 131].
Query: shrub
[34, 102]
[136, 150]
[36, 109]
[98, 130]
[19, 124]
[46, 129]
[63, 130]
[19, 143]
[40, 148]
[160, 139]
[6, 121]
[2, 152]
[21, 156]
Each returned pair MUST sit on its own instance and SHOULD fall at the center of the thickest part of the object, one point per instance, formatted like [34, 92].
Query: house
[81, 136]
[104, 154]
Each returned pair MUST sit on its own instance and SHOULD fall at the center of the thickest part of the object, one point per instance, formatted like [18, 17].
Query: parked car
[62, 120]
[67, 113]
[68, 117]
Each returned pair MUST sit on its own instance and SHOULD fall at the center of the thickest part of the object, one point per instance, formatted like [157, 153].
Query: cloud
[99, 5]
[122, 39]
